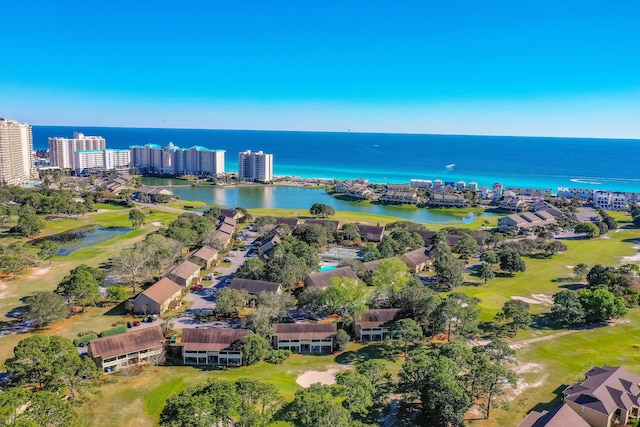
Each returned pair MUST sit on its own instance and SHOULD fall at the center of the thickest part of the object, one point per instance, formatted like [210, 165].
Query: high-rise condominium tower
[61, 149]
[16, 152]
[256, 166]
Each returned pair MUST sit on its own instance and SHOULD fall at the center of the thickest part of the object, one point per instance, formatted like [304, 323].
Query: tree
[636, 220]
[316, 407]
[567, 309]
[44, 308]
[490, 257]
[466, 246]
[406, 330]
[210, 238]
[321, 210]
[132, 266]
[436, 381]
[48, 250]
[230, 301]
[213, 212]
[50, 362]
[350, 232]
[81, 285]
[580, 271]
[255, 394]
[370, 253]
[253, 269]
[254, 347]
[20, 407]
[601, 305]
[518, 312]
[511, 262]
[490, 375]
[485, 272]
[375, 370]
[357, 390]
[117, 293]
[589, 228]
[30, 224]
[449, 271]
[345, 296]
[390, 277]
[341, 339]
[136, 217]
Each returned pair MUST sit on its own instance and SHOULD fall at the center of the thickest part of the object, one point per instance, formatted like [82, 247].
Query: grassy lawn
[139, 399]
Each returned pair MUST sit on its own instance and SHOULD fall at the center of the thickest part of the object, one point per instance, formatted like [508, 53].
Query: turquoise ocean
[608, 164]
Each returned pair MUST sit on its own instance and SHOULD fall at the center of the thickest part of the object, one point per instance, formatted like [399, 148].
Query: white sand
[525, 299]
[327, 377]
[570, 266]
[157, 224]
[39, 271]
[544, 298]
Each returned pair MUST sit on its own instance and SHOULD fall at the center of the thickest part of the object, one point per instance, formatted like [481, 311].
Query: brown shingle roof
[291, 222]
[226, 228]
[562, 416]
[418, 256]
[606, 389]
[128, 342]
[205, 253]
[377, 318]
[324, 222]
[185, 270]
[372, 233]
[295, 331]
[211, 339]
[254, 286]
[322, 279]
[162, 290]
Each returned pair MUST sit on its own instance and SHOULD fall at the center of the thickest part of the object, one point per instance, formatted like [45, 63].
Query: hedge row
[83, 340]
[121, 329]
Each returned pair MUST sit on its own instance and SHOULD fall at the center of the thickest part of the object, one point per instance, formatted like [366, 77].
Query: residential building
[608, 397]
[101, 159]
[212, 346]
[473, 186]
[158, 298]
[497, 190]
[205, 257]
[185, 274]
[541, 205]
[610, 200]
[116, 352]
[292, 223]
[355, 190]
[322, 279]
[400, 194]
[16, 153]
[511, 203]
[173, 160]
[61, 150]
[254, 287]
[150, 194]
[255, 166]
[461, 185]
[417, 260]
[305, 338]
[525, 221]
[268, 243]
[373, 325]
[331, 224]
[455, 200]
[421, 183]
[370, 233]
[582, 193]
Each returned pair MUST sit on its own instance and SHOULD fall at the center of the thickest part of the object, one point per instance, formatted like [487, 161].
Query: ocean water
[610, 164]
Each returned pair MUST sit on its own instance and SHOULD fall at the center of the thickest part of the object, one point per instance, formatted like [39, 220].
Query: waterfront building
[449, 200]
[461, 185]
[421, 183]
[16, 152]
[173, 160]
[400, 194]
[473, 186]
[437, 183]
[101, 159]
[61, 150]
[256, 166]
[497, 190]
[569, 193]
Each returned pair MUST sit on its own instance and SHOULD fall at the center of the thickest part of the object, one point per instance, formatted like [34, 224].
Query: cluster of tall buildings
[83, 153]
[16, 153]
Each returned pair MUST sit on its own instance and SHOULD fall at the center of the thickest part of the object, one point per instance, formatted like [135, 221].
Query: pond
[83, 237]
[300, 199]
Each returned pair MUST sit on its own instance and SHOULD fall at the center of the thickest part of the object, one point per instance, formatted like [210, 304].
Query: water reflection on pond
[82, 237]
[300, 199]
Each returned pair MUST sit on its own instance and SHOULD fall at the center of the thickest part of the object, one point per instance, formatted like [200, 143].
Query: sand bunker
[327, 377]
[39, 271]
[157, 224]
[535, 299]
[525, 299]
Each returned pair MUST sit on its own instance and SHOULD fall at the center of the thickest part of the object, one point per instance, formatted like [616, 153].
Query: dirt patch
[36, 272]
[327, 377]
[157, 224]
[570, 266]
[528, 368]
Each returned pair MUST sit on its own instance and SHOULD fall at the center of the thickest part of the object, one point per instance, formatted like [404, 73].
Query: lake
[300, 199]
[83, 237]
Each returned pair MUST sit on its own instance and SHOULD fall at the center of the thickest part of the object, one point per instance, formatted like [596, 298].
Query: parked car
[136, 323]
[129, 324]
[197, 288]
[227, 260]
[232, 254]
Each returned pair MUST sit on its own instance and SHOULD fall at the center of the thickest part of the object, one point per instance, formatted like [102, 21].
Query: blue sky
[550, 68]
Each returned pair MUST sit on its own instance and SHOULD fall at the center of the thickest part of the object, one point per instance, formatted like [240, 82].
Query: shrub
[277, 357]
[83, 340]
[342, 339]
[87, 332]
[121, 329]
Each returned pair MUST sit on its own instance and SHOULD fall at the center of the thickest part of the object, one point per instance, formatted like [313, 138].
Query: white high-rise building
[16, 152]
[61, 150]
[174, 160]
[101, 159]
[256, 166]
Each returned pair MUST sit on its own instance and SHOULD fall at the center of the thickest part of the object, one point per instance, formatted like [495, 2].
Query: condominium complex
[61, 150]
[173, 160]
[16, 152]
[101, 159]
[256, 166]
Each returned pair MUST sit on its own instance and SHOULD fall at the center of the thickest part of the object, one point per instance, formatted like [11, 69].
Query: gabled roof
[562, 416]
[291, 222]
[329, 223]
[295, 331]
[254, 286]
[211, 339]
[418, 256]
[606, 389]
[205, 253]
[226, 228]
[371, 232]
[229, 212]
[128, 342]
[162, 290]
[228, 220]
[377, 318]
[185, 270]
[322, 279]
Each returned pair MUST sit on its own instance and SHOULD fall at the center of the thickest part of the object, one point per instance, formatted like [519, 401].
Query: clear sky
[496, 67]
